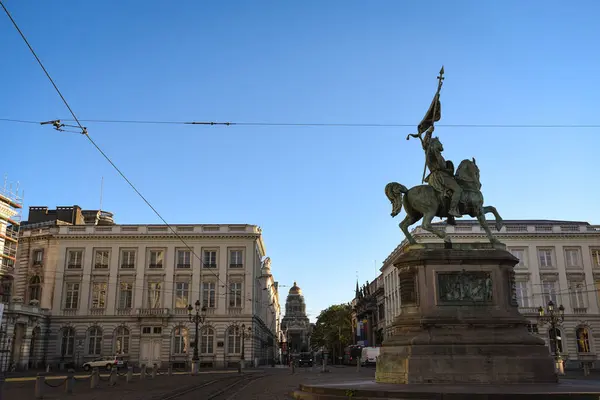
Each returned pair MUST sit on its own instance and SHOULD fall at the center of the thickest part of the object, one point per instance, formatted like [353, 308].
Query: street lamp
[554, 318]
[198, 318]
[243, 335]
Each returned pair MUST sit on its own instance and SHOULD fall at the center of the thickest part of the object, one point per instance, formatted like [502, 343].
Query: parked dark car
[305, 360]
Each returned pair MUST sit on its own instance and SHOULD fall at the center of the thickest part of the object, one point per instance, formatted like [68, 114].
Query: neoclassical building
[559, 261]
[295, 325]
[107, 289]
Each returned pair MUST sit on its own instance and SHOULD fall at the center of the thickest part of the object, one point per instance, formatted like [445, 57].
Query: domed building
[295, 324]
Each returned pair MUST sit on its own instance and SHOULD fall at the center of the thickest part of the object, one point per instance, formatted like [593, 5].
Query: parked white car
[104, 362]
[369, 355]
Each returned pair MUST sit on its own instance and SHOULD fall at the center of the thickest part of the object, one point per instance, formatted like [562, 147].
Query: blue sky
[317, 192]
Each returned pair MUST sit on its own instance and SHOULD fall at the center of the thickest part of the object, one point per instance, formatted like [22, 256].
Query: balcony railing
[579, 310]
[235, 311]
[70, 311]
[123, 311]
[528, 310]
[153, 312]
[97, 311]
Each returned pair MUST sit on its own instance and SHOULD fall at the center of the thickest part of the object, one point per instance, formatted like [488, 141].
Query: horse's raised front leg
[406, 223]
[486, 228]
[427, 218]
[499, 220]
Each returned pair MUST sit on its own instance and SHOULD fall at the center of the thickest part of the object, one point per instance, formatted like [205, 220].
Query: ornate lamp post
[555, 318]
[244, 334]
[198, 318]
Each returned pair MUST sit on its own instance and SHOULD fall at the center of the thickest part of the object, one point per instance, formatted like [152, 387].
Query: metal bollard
[154, 371]
[39, 386]
[70, 383]
[47, 368]
[95, 378]
[112, 380]
[129, 373]
[358, 365]
[170, 371]
[143, 371]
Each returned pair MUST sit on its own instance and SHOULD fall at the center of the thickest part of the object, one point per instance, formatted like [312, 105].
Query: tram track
[215, 389]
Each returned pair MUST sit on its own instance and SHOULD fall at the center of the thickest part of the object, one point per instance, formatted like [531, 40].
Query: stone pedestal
[460, 322]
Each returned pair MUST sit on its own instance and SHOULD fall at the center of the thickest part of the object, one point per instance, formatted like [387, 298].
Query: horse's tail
[394, 192]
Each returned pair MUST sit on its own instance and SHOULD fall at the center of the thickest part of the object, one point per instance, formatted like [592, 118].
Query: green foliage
[333, 328]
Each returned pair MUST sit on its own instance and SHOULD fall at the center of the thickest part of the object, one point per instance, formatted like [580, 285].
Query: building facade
[559, 262]
[368, 308]
[106, 289]
[295, 325]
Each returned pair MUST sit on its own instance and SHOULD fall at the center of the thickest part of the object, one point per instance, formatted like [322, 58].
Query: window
[74, 259]
[234, 340]
[236, 259]
[555, 336]
[533, 328]
[147, 330]
[520, 254]
[35, 288]
[125, 295]
[207, 340]
[549, 291]
[72, 296]
[577, 294]
[572, 258]
[208, 294]
[180, 340]
[156, 259]
[101, 258]
[128, 259]
[157, 330]
[38, 257]
[67, 343]
[95, 341]
[154, 292]
[184, 259]
[210, 259]
[122, 340]
[596, 258]
[235, 294]
[583, 340]
[545, 257]
[181, 294]
[99, 294]
[522, 293]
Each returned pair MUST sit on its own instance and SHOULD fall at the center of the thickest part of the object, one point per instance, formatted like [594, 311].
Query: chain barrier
[85, 378]
[63, 381]
[104, 379]
[124, 373]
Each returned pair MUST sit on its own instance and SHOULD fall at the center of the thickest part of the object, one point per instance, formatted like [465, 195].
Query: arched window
[234, 341]
[207, 340]
[95, 341]
[180, 340]
[583, 340]
[555, 336]
[122, 340]
[67, 343]
[35, 288]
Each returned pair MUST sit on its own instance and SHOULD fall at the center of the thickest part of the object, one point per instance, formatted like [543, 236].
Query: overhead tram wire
[333, 125]
[85, 132]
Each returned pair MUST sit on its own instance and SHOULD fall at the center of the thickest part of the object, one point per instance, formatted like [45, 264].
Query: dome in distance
[295, 289]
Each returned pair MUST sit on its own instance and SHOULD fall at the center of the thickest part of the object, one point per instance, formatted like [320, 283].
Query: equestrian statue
[448, 194]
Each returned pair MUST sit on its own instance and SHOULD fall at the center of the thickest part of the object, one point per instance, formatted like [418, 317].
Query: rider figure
[441, 172]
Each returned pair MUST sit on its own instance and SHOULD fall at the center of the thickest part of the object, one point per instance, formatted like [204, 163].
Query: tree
[333, 329]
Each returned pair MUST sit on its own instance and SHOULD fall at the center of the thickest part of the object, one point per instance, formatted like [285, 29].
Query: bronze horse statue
[425, 202]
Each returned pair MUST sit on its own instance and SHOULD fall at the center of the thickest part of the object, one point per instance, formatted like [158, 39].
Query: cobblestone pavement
[278, 384]
[137, 390]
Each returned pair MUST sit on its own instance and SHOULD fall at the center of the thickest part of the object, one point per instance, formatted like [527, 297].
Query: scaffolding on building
[11, 205]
